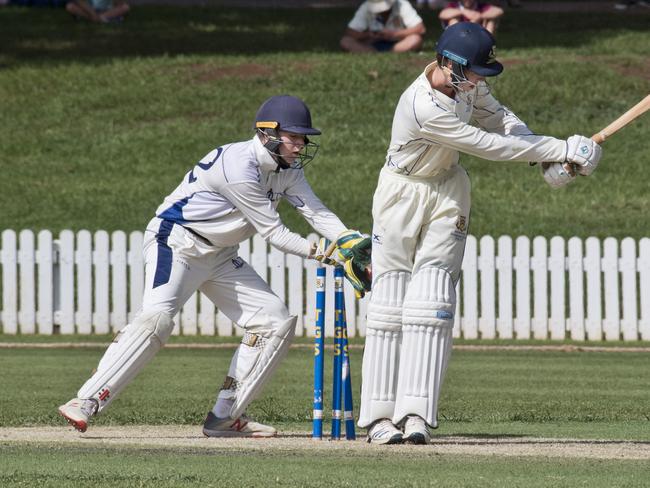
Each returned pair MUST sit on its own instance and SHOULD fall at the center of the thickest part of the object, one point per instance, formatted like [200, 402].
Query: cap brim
[491, 69]
[306, 131]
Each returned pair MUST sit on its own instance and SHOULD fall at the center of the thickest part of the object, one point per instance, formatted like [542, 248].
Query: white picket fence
[582, 290]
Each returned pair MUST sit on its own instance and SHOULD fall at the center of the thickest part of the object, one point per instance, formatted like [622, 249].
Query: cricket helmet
[287, 113]
[471, 46]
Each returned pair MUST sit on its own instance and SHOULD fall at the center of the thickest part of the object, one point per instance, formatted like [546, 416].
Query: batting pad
[382, 348]
[254, 364]
[135, 346]
[428, 320]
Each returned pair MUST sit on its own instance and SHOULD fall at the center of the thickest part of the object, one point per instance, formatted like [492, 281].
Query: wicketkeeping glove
[354, 250]
[352, 244]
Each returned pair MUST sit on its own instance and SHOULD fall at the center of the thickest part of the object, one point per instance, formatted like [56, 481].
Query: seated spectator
[384, 25]
[98, 10]
[474, 11]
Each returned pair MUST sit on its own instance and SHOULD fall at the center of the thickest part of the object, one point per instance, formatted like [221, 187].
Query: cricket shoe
[384, 432]
[78, 412]
[416, 430]
[240, 427]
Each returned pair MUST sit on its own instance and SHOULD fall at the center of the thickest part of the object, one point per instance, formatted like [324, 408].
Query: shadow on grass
[46, 35]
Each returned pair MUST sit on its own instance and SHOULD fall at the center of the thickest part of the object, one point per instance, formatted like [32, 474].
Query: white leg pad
[253, 364]
[381, 353]
[428, 319]
[132, 349]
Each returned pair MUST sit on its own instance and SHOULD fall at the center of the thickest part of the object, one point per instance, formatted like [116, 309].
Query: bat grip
[599, 137]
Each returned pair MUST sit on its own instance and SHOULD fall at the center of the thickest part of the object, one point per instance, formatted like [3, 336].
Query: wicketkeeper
[191, 244]
[421, 213]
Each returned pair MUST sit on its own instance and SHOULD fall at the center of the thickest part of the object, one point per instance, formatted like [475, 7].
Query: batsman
[421, 215]
[191, 244]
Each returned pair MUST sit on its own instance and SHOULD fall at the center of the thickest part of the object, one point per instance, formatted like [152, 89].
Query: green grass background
[489, 394]
[486, 392]
[101, 122]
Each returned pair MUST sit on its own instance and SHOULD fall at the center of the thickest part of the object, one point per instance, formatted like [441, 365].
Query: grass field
[101, 122]
[528, 418]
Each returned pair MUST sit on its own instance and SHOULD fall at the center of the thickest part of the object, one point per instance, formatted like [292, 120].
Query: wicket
[341, 380]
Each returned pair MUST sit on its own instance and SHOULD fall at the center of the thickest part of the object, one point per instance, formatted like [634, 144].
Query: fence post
[66, 282]
[84, 262]
[504, 265]
[644, 287]
[522, 283]
[557, 269]
[102, 276]
[628, 283]
[136, 273]
[45, 261]
[576, 289]
[206, 316]
[594, 322]
[487, 320]
[539, 265]
[9, 283]
[610, 279]
[26, 258]
[119, 284]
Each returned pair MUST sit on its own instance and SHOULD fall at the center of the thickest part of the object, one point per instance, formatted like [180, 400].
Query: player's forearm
[450, 132]
[289, 242]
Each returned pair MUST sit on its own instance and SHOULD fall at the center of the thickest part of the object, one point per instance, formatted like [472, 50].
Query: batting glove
[584, 152]
[558, 175]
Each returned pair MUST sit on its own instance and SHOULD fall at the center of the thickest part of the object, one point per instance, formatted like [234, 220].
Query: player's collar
[443, 99]
[264, 159]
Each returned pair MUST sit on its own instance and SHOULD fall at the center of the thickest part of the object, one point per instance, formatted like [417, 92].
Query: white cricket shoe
[78, 412]
[241, 427]
[384, 432]
[416, 430]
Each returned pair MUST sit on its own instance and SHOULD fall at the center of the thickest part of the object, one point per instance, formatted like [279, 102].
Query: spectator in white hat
[384, 26]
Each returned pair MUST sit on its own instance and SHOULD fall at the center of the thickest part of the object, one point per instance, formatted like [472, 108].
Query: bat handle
[599, 137]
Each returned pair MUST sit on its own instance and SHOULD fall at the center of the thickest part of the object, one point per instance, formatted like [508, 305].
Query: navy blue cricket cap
[287, 113]
[471, 46]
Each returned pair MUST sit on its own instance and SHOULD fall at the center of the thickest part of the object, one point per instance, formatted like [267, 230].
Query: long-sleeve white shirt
[234, 191]
[430, 130]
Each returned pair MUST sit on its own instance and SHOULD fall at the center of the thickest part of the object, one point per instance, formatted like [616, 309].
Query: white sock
[222, 408]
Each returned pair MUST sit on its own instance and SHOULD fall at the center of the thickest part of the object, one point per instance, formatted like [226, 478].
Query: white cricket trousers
[420, 222]
[178, 263]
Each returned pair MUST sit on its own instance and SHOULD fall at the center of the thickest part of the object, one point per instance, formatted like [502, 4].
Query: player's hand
[558, 175]
[584, 153]
[322, 252]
